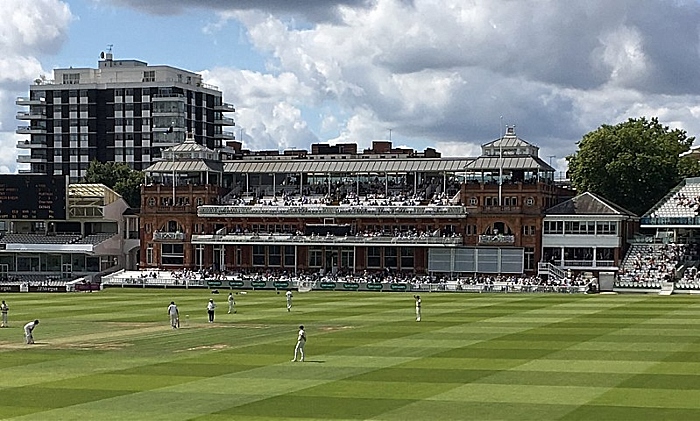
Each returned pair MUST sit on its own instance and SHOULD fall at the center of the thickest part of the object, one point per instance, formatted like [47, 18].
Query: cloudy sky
[429, 73]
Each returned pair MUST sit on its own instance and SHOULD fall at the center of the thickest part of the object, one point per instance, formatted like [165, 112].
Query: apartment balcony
[30, 115]
[168, 236]
[23, 100]
[225, 107]
[496, 239]
[26, 144]
[225, 121]
[30, 130]
[168, 97]
[225, 136]
[28, 159]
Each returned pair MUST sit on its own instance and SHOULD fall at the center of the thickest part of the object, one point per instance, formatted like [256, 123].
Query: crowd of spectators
[683, 200]
[443, 282]
[651, 265]
[375, 192]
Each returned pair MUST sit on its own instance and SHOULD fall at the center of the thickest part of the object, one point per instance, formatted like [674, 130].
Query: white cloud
[28, 30]
[267, 107]
[435, 72]
[446, 69]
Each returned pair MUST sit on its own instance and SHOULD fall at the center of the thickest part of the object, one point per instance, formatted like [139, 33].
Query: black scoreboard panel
[32, 196]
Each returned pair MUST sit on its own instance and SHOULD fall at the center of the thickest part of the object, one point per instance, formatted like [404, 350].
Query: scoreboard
[32, 196]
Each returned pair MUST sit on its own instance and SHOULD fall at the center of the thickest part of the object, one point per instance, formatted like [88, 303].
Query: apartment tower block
[122, 111]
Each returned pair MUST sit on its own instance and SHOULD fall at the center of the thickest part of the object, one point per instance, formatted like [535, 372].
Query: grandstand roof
[185, 166]
[86, 191]
[522, 162]
[507, 142]
[588, 204]
[350, 166]
[189, 146]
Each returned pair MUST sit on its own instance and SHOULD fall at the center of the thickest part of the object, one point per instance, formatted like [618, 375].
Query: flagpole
[500, 163]
[171, 130]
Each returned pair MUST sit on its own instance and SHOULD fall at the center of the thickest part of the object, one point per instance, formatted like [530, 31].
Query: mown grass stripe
[111, 355]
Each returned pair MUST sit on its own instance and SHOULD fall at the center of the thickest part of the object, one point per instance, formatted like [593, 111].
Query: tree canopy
[118, 177]
[633, 164]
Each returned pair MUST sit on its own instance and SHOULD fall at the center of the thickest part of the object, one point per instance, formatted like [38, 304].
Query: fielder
[174, 315]
[289, 299]
[301, 341]
[29, 330]
[231, 303]
[418, 303]
[4, 309]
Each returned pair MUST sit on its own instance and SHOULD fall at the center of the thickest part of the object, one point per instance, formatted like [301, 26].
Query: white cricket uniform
[289, 300]
[28, 332]
[211, 306]
[299, 349]
[4, 309]
[418, 303]
[174, 315]
[231, 304]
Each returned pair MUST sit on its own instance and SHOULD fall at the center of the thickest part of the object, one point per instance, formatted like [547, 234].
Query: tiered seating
[95, 238]
[684, 203]
[650, 265]
[690, 279]
[14, 238]
[33, 280]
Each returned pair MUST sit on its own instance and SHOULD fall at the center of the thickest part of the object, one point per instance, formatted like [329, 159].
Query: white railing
[163, 235]
[301, 239]
[545, 268]
[496, 239]
[407, 211]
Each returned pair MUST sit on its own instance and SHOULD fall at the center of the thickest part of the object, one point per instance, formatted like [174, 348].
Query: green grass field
[112, 356]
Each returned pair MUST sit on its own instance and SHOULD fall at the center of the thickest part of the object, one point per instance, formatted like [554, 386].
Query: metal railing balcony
[29, 115]
[583, 263]
[168, 97]
[351, 240]
[23, 100]
[168, 236]
[226, 107]
[671, 220]
[331, 211]
[30, 130]
[26, 144]
[225, 135]
[28, 159]
[496, 239]
[225, 121]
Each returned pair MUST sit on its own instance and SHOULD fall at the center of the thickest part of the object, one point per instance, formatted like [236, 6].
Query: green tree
[633, 164]
[689, 166]
[118, 177]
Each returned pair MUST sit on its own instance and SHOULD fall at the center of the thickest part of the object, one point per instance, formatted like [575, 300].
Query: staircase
[550, 270]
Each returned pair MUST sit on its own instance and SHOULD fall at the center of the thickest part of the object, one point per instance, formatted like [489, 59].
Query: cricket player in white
[4, 309]
[301, 341]
[417, 298]
[174, 315]
[231, 303]
[29, 330]
[289, 299]
[211, 306]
